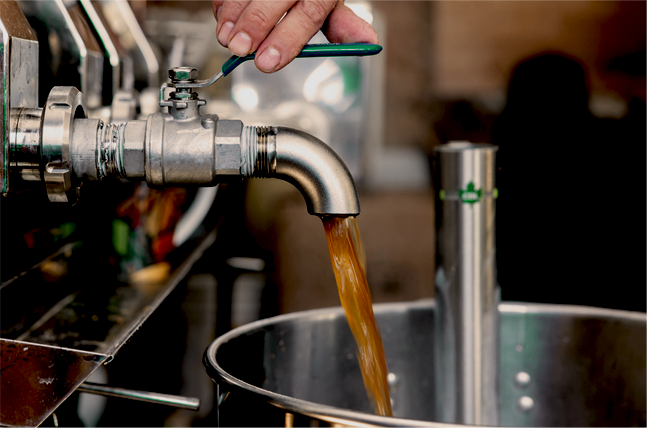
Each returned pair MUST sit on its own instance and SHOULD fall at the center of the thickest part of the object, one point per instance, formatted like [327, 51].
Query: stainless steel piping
[183, 148]
[188, 403]
[202, 150]
[310, 165]
[178, 148]
[24, 142]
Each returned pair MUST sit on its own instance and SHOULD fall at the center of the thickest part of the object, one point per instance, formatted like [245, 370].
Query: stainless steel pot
[559, 366]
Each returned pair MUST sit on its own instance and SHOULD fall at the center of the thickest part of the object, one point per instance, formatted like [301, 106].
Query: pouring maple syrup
[349, 264]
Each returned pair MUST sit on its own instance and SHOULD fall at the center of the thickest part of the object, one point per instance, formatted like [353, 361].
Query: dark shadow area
[571, 209]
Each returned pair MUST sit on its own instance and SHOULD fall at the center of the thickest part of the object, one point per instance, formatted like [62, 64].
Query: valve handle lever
[312, 51]
[308, 51]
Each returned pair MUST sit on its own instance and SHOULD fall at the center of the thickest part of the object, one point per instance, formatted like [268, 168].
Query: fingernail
[241, 44]
[223, 35]
[218, 12]
[268, 60]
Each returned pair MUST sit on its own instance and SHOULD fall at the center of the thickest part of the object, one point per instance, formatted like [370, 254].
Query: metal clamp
[64, 104]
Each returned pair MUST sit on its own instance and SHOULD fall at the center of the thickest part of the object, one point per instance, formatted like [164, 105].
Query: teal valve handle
[313, 51]
[308, 51]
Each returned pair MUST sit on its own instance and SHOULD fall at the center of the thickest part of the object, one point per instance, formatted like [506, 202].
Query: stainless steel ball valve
[59, 145]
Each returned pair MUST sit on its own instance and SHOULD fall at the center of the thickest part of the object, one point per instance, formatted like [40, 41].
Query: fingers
[227, 13]
[215, 4]
[246, 26]
[287, 39]
[255, 23]
[343, 26]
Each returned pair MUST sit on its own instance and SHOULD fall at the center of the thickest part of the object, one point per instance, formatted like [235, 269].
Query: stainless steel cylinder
[466, 289]
[192, 151]
[24, 143]
[83, 149]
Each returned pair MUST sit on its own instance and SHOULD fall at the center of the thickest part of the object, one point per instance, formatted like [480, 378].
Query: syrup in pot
[348, 262]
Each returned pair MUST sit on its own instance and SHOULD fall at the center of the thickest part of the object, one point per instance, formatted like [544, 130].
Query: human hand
[246, 26]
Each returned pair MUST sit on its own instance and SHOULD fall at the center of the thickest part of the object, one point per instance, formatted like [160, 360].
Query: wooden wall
[476, 44]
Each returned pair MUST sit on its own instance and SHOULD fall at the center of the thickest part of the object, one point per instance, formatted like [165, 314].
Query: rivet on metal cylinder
[526, 403]
[522, 379]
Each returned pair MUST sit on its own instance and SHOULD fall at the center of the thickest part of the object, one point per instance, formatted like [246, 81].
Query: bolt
[183, 73]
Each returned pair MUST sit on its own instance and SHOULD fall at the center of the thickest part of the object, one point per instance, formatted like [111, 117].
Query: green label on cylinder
[470, 194]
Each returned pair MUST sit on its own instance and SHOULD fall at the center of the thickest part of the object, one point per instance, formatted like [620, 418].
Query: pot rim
[355, 418]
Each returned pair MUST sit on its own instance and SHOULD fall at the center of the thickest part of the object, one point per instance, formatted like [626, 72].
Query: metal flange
[64, 104]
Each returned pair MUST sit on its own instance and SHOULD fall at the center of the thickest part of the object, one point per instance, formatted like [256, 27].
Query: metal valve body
[178, 148]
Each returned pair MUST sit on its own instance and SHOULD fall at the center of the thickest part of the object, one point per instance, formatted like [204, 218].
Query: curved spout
[309, 164]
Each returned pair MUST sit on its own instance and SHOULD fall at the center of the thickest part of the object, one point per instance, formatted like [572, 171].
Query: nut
[183, 73]
[134, 158]
[228, 150]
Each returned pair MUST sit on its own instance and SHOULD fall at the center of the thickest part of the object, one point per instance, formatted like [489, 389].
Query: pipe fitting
[134, 154]
[64, 105]
[24, 143]
[184, 152]
[310, 165]
[85, 146]
[228, 147]
[110, 149]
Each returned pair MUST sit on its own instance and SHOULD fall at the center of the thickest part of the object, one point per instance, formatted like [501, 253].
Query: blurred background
[558, 86]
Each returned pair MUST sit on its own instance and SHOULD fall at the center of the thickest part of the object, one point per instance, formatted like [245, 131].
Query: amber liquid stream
[348, 262]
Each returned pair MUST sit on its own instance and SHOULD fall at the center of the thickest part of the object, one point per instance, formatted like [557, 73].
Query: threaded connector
[110, 162]
[258, 151]
[266, 158]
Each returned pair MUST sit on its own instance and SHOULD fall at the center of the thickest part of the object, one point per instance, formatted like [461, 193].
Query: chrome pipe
[24, 143]
[181, 402]
[310, 165]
